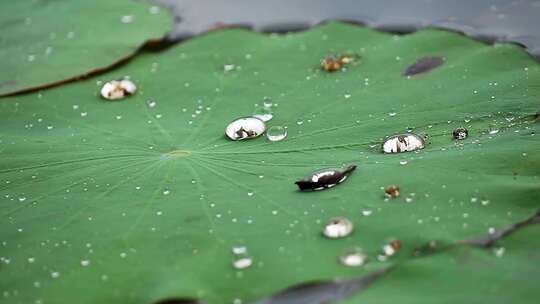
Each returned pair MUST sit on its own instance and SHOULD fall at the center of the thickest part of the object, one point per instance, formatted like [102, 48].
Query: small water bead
[267, 102]
[367, 212]
[392, 114]
[151, 103]
[166, 192]
[354, 258]
[245, 128]
[403, 162]
[263, 113]
[238, 250]
[276, 133]
[85, 263]
[55, 274]
[118, 89]
[493, 132]
[499, 251]
[391, 248]
[228, 68]
[127, 19]
[403, 143]
[242, 263]
[325, 178]
[338, 227]
[460, 133]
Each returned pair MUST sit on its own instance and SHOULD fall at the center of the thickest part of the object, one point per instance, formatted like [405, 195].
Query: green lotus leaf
[44, 43]
[143, 199]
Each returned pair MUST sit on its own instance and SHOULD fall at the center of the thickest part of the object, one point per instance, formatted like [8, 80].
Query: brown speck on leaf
[335, 63]
[391, 191]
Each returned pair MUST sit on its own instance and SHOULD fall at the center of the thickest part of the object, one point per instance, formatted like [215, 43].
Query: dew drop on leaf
[245, 128]
[118, 89]
[403, 143]
[263, 113]
[276, 133]
[324, 178]
[338, 227]
[238, 250]
[354, 258]
[460, 133]
[243, 262]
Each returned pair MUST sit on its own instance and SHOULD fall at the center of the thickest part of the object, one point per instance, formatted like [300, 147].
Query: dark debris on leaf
[423, 65]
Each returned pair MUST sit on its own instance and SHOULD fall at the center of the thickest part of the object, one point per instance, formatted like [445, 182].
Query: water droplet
[151, 103]
[166, 192]
[263, 113]
[276, 133]
[392, 191]
[250, 193]
[403, 162]
[229, 67]
[338, 227]
[55, 274]
[367, 212]
[118, 89]
[85, 263]
[325, 178]
[392, 114]
[243, 262]
[31, 260]
[245, 128]
[403, 143]
[127, 19]
[460, 133]
[499, 251]
[22, 199]
[238, 250]
[391, 248]
[354, 258]
[493, 132]
[267, 102]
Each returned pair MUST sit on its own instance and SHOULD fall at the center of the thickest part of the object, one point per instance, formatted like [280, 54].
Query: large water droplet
[403, 143]
[118, 89]
[276, 133]
[354, 258]
[338, 227]
[325, 178]
[244, 128]
[460, 133]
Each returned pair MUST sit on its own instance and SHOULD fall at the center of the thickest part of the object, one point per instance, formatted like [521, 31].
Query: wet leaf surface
[46, 42]
[142, 200]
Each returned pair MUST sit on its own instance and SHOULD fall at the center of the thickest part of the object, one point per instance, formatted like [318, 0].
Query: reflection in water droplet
[55, 274]
[354, 258]
[403, 143]
[493, 131]
[245, 128]
[338, 227]
[276, 133]
[243, 262]
[85, 263]
[367, 212]
[267, 102]
[460, 133]
[263, 113]
[499, 251]
[166, 192]
[391, 248]
[325, 178]
[118, 89]
[403, 162]
[151, 103]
